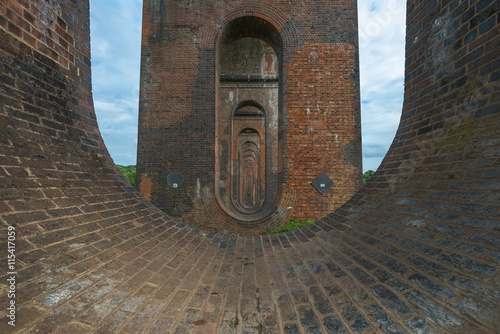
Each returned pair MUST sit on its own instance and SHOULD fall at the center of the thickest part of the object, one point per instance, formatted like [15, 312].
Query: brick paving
[415, 251]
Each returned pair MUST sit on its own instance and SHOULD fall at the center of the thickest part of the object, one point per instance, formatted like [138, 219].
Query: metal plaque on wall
[175, 180]
[322, 183]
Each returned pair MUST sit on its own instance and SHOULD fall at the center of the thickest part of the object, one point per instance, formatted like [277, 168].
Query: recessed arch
[248, 108]
[251, 26]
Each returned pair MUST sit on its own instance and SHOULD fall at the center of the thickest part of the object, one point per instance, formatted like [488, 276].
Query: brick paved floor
[155, 275]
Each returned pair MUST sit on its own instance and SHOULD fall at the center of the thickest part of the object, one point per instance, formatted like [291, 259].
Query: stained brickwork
[415, 251]
[311, 106]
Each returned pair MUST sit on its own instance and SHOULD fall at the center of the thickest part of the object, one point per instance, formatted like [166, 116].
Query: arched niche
[249, 192]
[248, 84]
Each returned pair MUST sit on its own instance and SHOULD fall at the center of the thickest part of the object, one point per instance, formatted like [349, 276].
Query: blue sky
[116, 48]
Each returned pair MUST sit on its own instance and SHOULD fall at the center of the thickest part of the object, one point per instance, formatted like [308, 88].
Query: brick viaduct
[415, 251]
[251, 101]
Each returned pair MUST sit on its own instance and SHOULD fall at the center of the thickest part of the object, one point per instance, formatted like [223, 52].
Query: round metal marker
[175, 180]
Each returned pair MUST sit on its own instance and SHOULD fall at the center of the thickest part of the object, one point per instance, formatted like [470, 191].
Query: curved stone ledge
[415, 251]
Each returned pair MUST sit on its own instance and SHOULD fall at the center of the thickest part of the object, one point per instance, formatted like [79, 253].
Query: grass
[291, 225]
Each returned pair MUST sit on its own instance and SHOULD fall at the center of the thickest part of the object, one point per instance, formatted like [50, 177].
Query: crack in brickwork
[415, 251]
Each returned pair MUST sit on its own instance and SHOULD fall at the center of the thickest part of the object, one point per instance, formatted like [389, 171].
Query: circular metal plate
[175, 180]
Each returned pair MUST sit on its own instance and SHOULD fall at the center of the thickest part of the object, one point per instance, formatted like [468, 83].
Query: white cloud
[382, 39]
[116, 46]
[100, 48]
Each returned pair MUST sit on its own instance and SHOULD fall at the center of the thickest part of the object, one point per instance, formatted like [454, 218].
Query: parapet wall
[415, 251]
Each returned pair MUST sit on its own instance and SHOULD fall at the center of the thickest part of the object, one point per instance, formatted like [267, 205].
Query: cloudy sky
[116, 47]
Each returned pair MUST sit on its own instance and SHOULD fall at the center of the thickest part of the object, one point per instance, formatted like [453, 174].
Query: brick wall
[416, 250]
[180, 108]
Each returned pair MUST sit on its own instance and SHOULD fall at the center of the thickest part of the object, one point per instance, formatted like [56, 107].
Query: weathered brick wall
[416, 250]
[319, 110]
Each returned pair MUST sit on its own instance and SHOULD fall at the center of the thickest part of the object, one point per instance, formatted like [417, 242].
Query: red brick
[180, 119]
[441, 167]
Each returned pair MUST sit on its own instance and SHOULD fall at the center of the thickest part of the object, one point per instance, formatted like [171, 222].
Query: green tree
[367, 176]
[129, 172]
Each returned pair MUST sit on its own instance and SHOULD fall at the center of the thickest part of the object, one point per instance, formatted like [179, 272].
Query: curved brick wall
[416, 251]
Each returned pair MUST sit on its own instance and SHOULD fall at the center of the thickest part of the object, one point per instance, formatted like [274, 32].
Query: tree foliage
[129, 172]
[367, 176]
